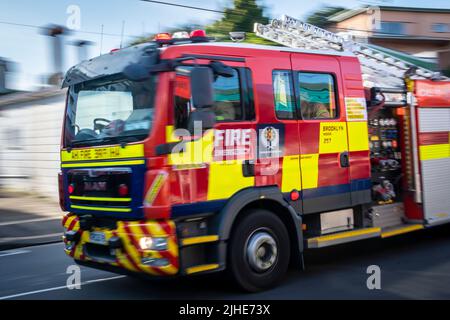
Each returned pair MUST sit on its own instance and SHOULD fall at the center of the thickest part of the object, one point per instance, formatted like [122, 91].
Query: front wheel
[258, 254]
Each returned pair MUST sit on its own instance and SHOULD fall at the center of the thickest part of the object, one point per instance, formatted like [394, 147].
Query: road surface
[413, 266]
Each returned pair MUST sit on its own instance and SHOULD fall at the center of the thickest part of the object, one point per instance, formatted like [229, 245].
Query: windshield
[105, 112]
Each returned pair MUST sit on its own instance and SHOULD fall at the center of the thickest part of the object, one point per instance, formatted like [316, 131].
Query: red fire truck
[184, 156]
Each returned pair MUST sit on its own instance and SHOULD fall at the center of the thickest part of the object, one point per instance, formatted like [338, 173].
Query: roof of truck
[266, 47]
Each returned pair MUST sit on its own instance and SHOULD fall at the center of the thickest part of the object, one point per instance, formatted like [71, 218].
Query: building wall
[359, 22]
[418, 23]
[409, 46]
[444, 61]
[30, 136]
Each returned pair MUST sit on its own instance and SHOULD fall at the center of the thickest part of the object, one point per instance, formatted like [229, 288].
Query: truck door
[324, 153]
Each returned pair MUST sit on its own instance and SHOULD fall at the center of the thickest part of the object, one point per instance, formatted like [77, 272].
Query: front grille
[99, 187]
[99, 252]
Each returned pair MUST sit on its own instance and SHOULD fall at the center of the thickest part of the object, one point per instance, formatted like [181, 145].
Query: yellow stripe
[226, 178]
[201, 268]
[310, 170]
[170, 137]
[291, 174]
[102, 164]
[103, 153]
[201, 239]
[435, 151]
[101, 208]
[333, 137]
[406, 229]
[358, 136]
[198, 151]
[99, 199]
[344, 235]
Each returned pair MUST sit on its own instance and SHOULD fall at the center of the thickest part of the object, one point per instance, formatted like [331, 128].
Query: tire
[258, 229]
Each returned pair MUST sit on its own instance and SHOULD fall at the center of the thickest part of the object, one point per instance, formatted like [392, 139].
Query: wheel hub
[261, 251]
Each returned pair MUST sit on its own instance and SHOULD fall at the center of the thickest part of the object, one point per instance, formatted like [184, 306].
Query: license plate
[97, 237]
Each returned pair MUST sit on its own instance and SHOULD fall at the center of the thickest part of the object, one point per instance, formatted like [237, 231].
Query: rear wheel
[259, 249]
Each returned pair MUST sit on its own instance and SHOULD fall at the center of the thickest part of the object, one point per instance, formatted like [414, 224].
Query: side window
[317, 96]
[227, 106]
[229, 101]
[283, 94]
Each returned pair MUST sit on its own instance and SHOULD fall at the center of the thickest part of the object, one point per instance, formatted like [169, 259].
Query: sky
[23, 43]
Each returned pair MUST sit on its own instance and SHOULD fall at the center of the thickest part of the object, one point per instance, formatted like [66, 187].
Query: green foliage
[239, 18]
[320, 17]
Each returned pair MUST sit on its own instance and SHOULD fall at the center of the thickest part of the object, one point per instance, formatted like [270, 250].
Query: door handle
[344, 159]
[248, 168]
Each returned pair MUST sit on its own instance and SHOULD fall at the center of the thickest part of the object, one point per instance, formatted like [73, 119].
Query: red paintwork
[428, 138]
[432, 94]
[301, 137]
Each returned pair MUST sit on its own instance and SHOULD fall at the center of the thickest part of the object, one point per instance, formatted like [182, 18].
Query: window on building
[393, 28]
[284, 95]
[229, 105]
[440, 27]
[317, 96]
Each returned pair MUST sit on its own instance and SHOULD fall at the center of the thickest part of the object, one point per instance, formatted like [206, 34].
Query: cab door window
[232, 100]
[317, 96]
[283, 95]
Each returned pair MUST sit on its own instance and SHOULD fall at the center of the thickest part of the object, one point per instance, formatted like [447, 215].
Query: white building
[30, 135]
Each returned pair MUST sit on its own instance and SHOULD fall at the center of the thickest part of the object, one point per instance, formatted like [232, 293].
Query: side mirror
[202, 90]
[204, 117]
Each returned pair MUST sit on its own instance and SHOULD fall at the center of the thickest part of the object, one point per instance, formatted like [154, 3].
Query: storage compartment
[334, 221]
[385, 155]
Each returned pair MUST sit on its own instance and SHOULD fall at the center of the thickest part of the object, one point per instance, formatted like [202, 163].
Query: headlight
[149, 243]
[146, 243]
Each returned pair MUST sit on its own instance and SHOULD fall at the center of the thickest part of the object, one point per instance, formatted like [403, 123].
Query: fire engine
[184, 156]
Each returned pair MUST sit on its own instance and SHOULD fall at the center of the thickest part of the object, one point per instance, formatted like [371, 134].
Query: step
[343, 237]
[202, 268]
[400, 229]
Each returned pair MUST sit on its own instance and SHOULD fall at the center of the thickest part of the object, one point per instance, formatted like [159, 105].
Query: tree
[320, 17]
[239, 18]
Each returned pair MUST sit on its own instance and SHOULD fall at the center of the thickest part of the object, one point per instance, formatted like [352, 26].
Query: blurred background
[39, 41]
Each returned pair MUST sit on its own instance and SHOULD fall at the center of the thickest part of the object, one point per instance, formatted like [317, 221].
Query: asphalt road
[413, 266]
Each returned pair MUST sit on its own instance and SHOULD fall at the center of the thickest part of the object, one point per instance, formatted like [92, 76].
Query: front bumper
[128, 255]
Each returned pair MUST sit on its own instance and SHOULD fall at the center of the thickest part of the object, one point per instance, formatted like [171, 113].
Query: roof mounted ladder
[379, 69]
